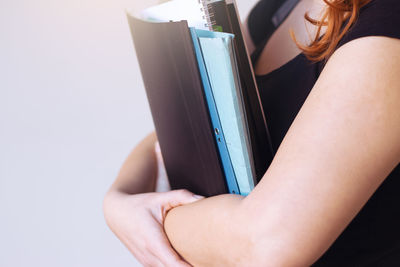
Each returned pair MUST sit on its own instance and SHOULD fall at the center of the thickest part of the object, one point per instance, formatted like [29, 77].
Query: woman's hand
[138, 220]
[137, 216]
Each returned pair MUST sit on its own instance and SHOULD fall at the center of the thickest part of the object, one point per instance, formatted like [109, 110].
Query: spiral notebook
[174, 59]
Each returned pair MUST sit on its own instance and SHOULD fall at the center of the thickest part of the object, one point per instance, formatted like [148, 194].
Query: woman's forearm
[222, 231]
[337, 152]
[138, 173]
[207, 233]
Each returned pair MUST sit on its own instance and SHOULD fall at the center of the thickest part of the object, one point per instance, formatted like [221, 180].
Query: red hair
[338, 18]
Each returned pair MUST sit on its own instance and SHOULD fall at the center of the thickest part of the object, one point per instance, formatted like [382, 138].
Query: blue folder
[219, 73]
[218, 131]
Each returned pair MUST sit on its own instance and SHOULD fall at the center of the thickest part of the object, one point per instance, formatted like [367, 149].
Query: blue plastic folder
[219, 74]
[218, 132]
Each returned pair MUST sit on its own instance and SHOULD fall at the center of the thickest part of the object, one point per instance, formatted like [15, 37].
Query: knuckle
[174, 262]
[171, 259]
[149, 263]
[149, 246]
[184, 192]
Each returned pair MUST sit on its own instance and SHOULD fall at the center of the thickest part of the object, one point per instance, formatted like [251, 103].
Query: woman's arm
[136, 215]
[138, 173]
[342, 145]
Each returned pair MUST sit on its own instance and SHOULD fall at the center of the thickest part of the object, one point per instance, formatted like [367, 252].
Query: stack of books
[203, 96]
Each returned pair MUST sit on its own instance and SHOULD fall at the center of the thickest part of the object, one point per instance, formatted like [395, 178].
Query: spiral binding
[209, 14]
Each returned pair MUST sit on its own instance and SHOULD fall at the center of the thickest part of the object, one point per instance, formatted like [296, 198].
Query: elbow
[275, 252]
[270, 256]
[269, 243]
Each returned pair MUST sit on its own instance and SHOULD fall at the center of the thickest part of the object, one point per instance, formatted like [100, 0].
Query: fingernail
[198, 197]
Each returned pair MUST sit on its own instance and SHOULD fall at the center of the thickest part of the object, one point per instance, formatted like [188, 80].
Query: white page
[177, 10]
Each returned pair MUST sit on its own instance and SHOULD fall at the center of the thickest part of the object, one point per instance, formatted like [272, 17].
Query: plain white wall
[72, 105]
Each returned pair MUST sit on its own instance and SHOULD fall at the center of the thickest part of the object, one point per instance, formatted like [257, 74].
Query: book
[174, 80]
[219, 58]
[178, 106]
[234, 128]
[215, 114]
[177, 10]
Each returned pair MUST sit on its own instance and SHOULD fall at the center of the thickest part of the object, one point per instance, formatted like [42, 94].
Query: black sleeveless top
[373, 237]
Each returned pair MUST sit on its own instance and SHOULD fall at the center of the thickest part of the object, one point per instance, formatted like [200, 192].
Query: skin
[342, 145]
[136, 215]
[281, 41]
[340, 148]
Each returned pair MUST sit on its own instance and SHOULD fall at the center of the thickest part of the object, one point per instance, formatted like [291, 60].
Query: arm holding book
[295, 213]
[135, 214]
[317, 182]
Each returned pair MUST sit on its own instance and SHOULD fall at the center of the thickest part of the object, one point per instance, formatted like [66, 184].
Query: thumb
[176, 198]
[180, 197]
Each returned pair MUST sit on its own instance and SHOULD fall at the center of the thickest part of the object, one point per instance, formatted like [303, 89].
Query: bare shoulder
[365, 59]
[362, 80]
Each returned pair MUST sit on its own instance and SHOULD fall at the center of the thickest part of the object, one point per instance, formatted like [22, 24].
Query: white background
[72, 106]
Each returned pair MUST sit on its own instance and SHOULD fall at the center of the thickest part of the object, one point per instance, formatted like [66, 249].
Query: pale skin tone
[342, 145]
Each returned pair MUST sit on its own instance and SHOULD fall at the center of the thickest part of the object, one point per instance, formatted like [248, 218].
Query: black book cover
[175, 93]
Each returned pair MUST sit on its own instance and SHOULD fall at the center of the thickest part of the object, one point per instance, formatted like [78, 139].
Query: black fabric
[373, 237]
[260, 23]
[260, 20]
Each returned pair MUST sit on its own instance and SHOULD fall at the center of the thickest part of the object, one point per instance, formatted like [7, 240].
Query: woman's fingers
[167, 261]
[181, 197]
[150, 261]
[166, 254]
[161, 247]
[154, 249]
[172, 199]
[138, 222]
[146, 257]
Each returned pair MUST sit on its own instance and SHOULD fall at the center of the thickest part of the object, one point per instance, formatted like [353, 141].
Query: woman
[329, 197]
